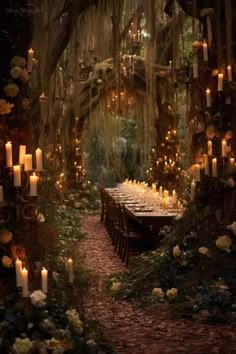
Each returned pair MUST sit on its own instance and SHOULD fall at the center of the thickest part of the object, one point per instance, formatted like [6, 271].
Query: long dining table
[149, 216]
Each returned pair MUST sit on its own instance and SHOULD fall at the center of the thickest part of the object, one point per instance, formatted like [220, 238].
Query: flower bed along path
[130, 330]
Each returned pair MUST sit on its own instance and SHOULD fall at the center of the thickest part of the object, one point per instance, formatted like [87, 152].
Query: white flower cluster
[170, 293]
[22, 346]
[74, 320]
[37, 298]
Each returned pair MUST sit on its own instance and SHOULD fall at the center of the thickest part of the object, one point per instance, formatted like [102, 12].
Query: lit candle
[229, 73]
[214, 167]
[70, 270]
[28, 162]
[76, 177]
[205, 51]
[193, 187]
[17, 175]
[30, 60]
[1, 194]
[24, 274]
[22, 152]
[18, 267]
[174, 198]
[223, 147]
[231, 160]
[33, 185]
[197, 172]
[44, 278]
[195, 70]
[220, 82]
[9, 154]
[209, 148]
[160, 191]
[39, 159]
[208, 97]
[206, 163]
[77, 151]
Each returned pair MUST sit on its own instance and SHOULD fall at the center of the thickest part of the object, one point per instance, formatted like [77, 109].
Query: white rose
[203, 250]
[224, 243]
[158, 292]
[116, 286]
[37, 298]
[22, 346]
[232, 228]
[15, 72]
[172, 293]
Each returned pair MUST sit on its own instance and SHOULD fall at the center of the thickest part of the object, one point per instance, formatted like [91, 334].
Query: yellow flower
[15, 72]
[203, 250]
[7, 262]
[11, 90]
[18, 61]
[176, 251]
[224, 243]
[5, 107]
[158, 292]
[5, 237]
[116, 286]
[172, 293]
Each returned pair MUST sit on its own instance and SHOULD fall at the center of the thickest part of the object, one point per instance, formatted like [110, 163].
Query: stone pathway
[129, 329]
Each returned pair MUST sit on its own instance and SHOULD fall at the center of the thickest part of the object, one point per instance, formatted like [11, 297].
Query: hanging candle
[193, 188]
[209, 148]
[208, 97]
[229, 73]
[214, 167]
[223, 148]
[205, 51]
[220, 82]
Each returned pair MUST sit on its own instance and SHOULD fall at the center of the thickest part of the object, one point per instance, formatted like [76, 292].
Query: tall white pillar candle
[229, 73]
[70, 270]
[160, 191]
[33, 185]
[209, 148]
[8, 147]
[22, 151]
[231, 160]
[193, 187]
[28, 162]
[17, 175]
[220, 82]
[18, 267]
[30, 60]
[25, 291]
[208, 97]
[214, 167]
[39, 159]
[174, 198]
[1, 194]
[205, 51]
[197, 172]
[223, 148]
[44, 278]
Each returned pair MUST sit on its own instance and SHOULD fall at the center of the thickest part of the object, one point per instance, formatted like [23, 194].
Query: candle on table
[214, 167]
[193, 187]
[17, 175]
[197, 172]
[205, 51]
[195, 70]
[70, 270]
[28, 162]
[223, 147]
[18, 266]
[24, 274]
[220, 82]
[1, 194]
[229, 73]
[8, 147]
[160, 191]
[39, 159]
[208, 97]
[174, 198]
[33, 185]
[209, 148]
[30, 60]
[22, 152]
[206, 163]
[44, 278]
